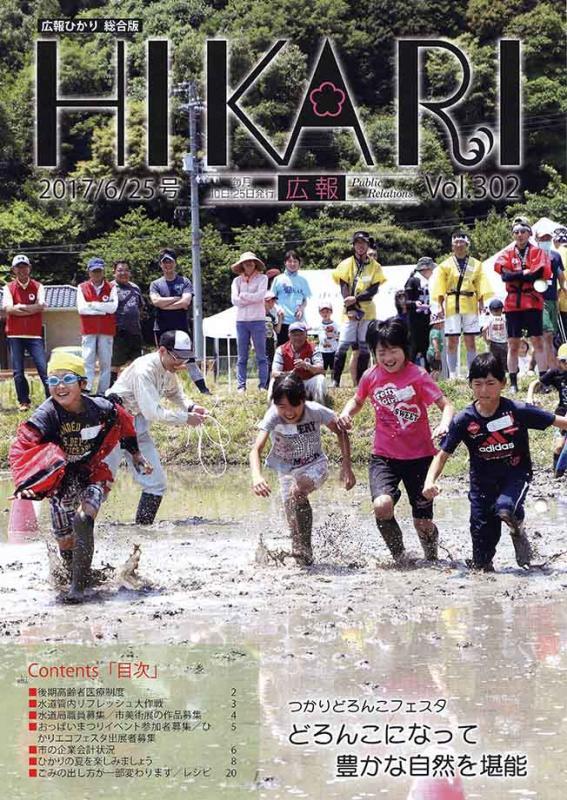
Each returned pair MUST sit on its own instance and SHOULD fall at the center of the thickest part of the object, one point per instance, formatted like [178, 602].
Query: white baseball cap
[177, 342]
[21, 259]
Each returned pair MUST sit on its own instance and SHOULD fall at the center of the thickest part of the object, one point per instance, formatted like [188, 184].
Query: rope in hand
[221, 443]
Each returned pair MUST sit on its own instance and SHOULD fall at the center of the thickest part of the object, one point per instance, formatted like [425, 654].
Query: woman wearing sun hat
[247, 294]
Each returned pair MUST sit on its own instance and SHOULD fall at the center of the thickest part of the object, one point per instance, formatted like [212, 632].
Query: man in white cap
[522, 266]
[142, 387]
[97, 301]
[544, 230]
[23, 301]
[461, 288]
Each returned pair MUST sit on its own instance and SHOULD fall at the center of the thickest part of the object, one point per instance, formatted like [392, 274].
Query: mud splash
[352, 625]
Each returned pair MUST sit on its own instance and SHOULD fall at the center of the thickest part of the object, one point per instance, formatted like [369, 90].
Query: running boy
[556, 378]
[85, 429]
[495, 430]
[403, 443]
[294, 425]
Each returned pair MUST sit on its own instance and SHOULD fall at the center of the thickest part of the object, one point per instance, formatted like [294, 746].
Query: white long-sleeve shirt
[94, 307]
[145, 384]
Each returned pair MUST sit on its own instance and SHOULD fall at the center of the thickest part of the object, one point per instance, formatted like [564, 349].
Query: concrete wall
[62, 328]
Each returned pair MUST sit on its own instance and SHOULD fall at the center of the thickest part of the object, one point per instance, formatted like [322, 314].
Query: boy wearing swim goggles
[85, 429]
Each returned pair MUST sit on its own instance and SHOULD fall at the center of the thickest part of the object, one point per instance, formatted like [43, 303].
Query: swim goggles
[66, 380]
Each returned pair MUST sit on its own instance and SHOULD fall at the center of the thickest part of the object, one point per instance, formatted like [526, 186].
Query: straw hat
[248, 256]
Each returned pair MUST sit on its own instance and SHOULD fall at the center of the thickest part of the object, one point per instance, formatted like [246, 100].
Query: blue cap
[96, 263]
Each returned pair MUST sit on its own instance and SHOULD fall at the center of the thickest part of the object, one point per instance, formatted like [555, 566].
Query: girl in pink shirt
[403, 442]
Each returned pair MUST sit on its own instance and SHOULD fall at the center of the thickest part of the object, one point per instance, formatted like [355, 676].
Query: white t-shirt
[328, 335]
[496, 329]
[295, 445]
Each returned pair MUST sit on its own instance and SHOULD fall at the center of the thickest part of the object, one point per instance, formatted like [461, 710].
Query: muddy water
[491, 650]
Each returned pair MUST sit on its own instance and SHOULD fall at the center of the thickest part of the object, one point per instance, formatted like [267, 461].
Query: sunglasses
[66, 380]
[176, 358]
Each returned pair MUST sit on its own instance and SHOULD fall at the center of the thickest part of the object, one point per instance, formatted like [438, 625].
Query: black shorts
[434, 364]
[125, 348]
[328, 360]
[385, 474]
[529, 321]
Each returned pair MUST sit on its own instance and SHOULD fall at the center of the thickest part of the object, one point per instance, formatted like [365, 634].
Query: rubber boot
[392, 535]
[83, 527]
[429, 542]
[202, 386]
[557, 473]
[522, 546]
[362, 365]
[147, 508]
[513, 382]
[338, 366]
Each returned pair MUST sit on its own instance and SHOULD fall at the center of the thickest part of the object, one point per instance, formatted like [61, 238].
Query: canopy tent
[323, 287]
[223, 325]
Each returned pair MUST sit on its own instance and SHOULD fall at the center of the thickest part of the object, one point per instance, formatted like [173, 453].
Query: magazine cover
[283, 399]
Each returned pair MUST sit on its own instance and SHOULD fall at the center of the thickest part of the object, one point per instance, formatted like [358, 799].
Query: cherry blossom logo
[327, 100]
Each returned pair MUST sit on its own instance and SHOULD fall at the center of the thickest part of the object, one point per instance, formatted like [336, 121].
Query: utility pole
[191, 166]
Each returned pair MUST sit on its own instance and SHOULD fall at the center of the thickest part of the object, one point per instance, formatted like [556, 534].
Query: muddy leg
[388, 526]
[83, 527]
[428, 536]
[300, 520]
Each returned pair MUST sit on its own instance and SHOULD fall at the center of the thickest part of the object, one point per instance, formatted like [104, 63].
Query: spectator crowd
[442, 305]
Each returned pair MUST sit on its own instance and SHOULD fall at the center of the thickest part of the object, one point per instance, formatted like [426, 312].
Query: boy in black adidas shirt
[495, 430]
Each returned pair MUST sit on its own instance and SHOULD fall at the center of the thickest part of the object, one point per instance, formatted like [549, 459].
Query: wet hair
[292, 254]
[486, 364]
[391, 333]
[400, 301]
[289, 387]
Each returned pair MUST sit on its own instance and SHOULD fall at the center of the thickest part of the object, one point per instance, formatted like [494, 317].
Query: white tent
[223, 325]
[323, 287]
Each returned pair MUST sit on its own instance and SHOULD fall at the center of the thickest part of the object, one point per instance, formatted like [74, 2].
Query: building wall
[62, 328]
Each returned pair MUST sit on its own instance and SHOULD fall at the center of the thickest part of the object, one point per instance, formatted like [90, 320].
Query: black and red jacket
[45, 450]
[532, 265]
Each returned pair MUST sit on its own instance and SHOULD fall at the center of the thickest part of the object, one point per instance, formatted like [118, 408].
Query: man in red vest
[23, 301]
[97, 302]
[525, 270]
[299, 356]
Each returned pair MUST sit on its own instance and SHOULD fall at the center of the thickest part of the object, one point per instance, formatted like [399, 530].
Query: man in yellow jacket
[461, 288]
[359, 278]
